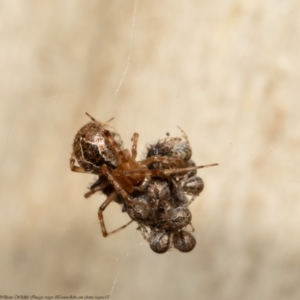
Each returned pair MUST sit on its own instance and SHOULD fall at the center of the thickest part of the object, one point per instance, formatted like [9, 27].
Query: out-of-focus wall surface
[226, 71]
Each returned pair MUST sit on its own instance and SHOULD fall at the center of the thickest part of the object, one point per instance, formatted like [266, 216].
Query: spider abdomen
[184, 241]
[91, 148]
[178, 218]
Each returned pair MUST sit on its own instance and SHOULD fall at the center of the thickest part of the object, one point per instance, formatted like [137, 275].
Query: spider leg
[97, 188]
[115, 147]
[109, 199]
[120, 228]
[161, 172]
[110, 120]
[93, 119]
[118, 189]
[134, 145]
[163, 159]
[184, 135]
[75, 168]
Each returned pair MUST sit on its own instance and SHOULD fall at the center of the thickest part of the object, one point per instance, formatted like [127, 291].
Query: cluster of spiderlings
[170, 198]
[155, 192]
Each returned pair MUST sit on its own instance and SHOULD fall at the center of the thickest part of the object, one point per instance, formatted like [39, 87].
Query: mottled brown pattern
[90, 148]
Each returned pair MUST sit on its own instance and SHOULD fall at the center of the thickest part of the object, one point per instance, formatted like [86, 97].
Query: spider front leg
[162, 172]
[162, 159]
[97, 188]
[110, 198]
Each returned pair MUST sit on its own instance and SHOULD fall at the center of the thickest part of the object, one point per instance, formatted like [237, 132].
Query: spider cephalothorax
[98, 149]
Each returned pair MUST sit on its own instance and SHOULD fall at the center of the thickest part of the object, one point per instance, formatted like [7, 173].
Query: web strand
[129, 52]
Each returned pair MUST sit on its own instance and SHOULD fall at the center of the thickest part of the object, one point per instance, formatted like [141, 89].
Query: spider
[98, 149]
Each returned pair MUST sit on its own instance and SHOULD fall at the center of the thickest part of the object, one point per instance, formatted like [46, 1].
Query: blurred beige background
[226, 71]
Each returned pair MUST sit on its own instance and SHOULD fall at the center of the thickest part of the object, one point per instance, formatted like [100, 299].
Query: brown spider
[98, 149]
